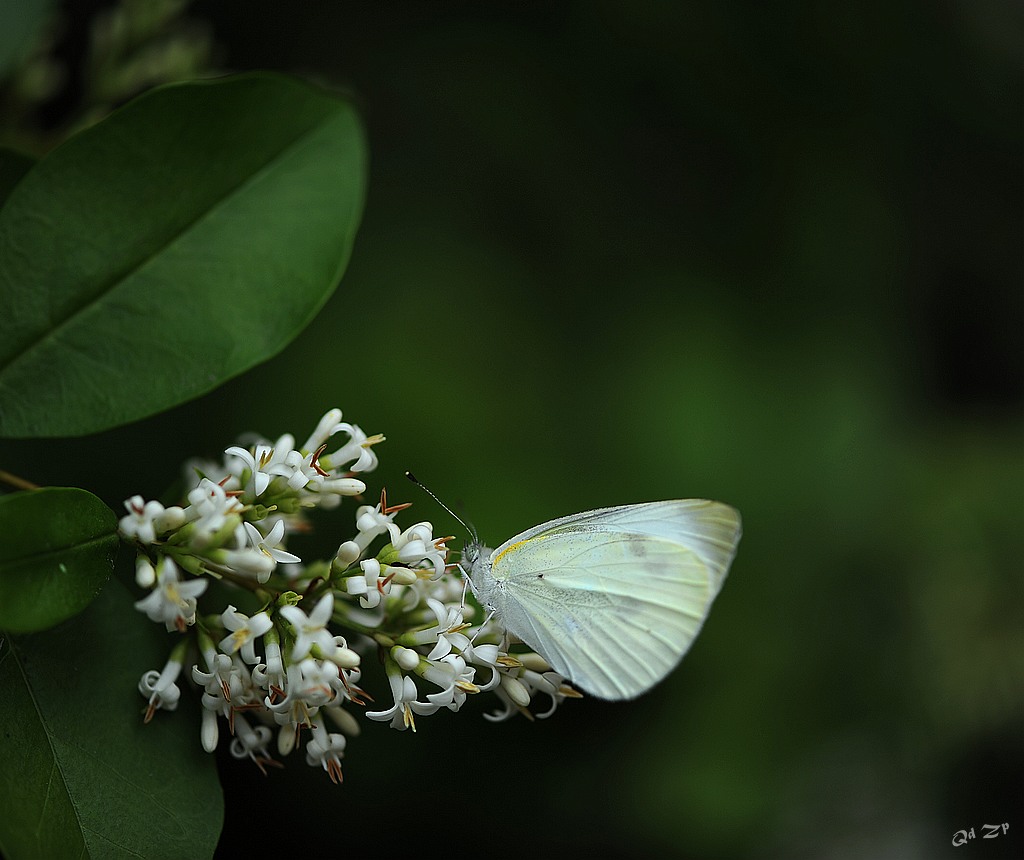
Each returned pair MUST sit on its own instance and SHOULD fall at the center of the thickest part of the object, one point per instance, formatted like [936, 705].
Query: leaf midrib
[9, 562]
[114, 282]
[16, 656]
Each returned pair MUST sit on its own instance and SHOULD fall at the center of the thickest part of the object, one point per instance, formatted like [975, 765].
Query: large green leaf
[82, 776]
[13, 166]
[185, 238]
[57, 551]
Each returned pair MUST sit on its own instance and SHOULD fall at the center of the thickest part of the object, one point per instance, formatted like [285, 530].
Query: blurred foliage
[615, 252]
[88, 59]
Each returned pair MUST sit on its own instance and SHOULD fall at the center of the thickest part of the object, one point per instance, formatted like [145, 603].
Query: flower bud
[533, 660]
[344, 721]
[406, 658]
[516, 691]
[209, 732]
[171, 518]
[145, 573]
[286, 739]
[348, 552]
[401, 575]
[343, 486]
[344, 658]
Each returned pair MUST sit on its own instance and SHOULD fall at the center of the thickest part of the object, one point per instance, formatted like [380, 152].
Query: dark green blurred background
[615, 252]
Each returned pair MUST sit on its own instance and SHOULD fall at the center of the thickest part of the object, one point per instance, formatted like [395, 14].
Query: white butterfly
[611, 598]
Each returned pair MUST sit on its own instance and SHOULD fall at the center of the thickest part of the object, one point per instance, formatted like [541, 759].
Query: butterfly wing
[613, 598]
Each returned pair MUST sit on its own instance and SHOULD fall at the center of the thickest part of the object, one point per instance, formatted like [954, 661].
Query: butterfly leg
[476, 633]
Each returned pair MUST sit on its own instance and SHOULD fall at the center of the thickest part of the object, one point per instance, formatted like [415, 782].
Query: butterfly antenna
[429, 492]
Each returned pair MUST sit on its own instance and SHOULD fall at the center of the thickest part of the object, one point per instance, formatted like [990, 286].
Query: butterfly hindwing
[613, 598]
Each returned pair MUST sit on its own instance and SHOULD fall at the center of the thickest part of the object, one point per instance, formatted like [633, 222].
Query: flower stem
[15, 481]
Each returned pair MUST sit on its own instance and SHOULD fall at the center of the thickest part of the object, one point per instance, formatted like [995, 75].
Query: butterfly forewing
[613, 598]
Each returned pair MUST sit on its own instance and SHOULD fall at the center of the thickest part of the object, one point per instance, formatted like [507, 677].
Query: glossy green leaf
[57, 551]
[82, 775]
[184, 239]
[13, 166]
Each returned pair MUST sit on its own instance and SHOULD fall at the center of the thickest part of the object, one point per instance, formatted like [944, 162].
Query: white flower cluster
[271, 674]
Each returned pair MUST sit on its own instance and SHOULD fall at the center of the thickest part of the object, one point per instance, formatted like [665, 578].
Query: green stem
[344, 621]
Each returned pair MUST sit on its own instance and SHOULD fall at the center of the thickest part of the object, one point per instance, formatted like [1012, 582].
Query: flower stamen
[314, 461]
[387, 510]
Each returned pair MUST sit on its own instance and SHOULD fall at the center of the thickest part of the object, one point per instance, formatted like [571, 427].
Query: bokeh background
[621, 251]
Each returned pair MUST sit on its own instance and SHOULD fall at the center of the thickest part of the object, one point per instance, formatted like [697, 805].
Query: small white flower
[448, 630]
[359, 585]
[270, 675]
[417, 545]
[327, 426]
[291, 709]
[551, 684]
[159, 688]
[247, 561]
[173, 602]
[484, 655]
[401, 714]
[146, 520]
[219, 682]
[403, 688]
[244, 633]
[210, 505]
[257, 462]
[299, 470]
[269, 545]
[325, 749]
[311, 629]
[444, 636]
[456, 680]
[370, 523]
[251, 743]
[519, 685]
[447, 589]
[359, 448]
[310, 685]
[371, 585]
[227, 683]
[320, 681]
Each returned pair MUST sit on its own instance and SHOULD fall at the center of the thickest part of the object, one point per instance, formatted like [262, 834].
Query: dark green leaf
[57, 551]
[13, 166]
[20, 23]
[179, 242]
[82, 775]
